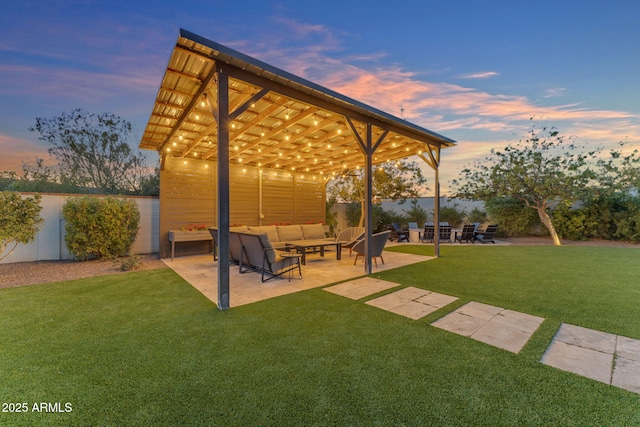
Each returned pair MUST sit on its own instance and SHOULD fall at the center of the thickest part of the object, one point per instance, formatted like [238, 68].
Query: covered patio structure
[241, 141]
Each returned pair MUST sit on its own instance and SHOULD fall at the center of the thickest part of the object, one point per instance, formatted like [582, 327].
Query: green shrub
[613, 216]
[573, 224]
[352, 214]
[477, 215]
[100, 228]
[453, 215]
[417, 213]
[512, 216]
[129, 263]
[382, 219]
[20, 220]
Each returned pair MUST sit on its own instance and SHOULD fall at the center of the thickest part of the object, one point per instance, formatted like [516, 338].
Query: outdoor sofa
[254, 247]
[282, 236]
[255, 252]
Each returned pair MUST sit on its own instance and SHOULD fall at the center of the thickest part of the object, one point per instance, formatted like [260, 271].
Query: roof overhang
[278, 120]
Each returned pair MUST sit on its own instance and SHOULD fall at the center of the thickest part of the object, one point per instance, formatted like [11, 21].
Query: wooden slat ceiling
[269, 129]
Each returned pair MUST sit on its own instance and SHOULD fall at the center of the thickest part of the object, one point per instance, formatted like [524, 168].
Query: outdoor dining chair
[467, 234]
[487, 235]
[398, 233]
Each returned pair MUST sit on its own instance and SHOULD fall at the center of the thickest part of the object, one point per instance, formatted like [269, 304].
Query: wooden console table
[188, 236]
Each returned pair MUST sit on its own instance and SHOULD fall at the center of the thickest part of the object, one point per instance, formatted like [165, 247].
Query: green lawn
[145, 348]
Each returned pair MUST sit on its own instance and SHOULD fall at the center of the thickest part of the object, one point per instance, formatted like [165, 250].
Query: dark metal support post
[436, 215]
[223, 189]
[368, 219]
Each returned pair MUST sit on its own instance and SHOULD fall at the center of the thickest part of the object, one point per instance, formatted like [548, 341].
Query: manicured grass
[147, 349]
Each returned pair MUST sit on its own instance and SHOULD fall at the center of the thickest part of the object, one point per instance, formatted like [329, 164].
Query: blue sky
[474, 71]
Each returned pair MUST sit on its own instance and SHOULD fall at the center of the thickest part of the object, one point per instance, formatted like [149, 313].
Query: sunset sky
[474, 71]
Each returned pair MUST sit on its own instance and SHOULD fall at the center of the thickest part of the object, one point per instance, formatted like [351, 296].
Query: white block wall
[49, 242]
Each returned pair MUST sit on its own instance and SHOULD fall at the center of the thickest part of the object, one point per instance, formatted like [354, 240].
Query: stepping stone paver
[458, 323]
[360, 288]
[502, 335]
[628, 348]
[411, 302]
[601, 356]
[583, 361]
[496, 326]
[587, 338]
[626, 374]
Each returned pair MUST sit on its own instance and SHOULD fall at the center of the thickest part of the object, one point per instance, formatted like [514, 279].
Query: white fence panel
[49, 242]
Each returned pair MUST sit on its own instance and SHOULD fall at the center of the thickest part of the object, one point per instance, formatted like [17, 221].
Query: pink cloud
[15, 151]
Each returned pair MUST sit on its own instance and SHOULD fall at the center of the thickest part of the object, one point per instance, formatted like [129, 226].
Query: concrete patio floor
[202, 273]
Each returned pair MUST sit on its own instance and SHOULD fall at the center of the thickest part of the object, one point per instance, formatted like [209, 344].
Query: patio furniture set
[469, 233]
[276, 250]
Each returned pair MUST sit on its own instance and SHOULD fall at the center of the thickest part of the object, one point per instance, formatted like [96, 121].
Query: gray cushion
[290, 232]
[270, 230]
[313, 231]
[270, 252]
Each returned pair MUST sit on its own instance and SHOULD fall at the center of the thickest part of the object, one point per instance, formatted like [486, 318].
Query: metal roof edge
[232, 53]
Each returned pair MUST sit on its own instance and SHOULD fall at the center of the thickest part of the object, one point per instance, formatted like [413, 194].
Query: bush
[20, 220]
[382, 219]
[605, 216]
[417, 213]
[573, 224]
[477, 215]
[129, 263]
[100, 228]
[615, 216]
[512, 216]
[453, 215]
[352, 214]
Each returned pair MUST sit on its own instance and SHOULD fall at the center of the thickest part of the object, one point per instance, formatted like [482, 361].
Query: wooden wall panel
[309, 200]
[244, 195]
[188, 195]
[277, 197]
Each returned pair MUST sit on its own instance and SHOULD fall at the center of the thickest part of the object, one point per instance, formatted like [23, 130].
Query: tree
[543, 171]
[393, 181]
[94, 150]
[619, 172]
[20, 220]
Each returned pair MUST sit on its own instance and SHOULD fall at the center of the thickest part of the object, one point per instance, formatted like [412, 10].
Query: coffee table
[301, 247]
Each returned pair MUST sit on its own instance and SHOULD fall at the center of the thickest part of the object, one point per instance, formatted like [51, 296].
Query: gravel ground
[31, 273]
